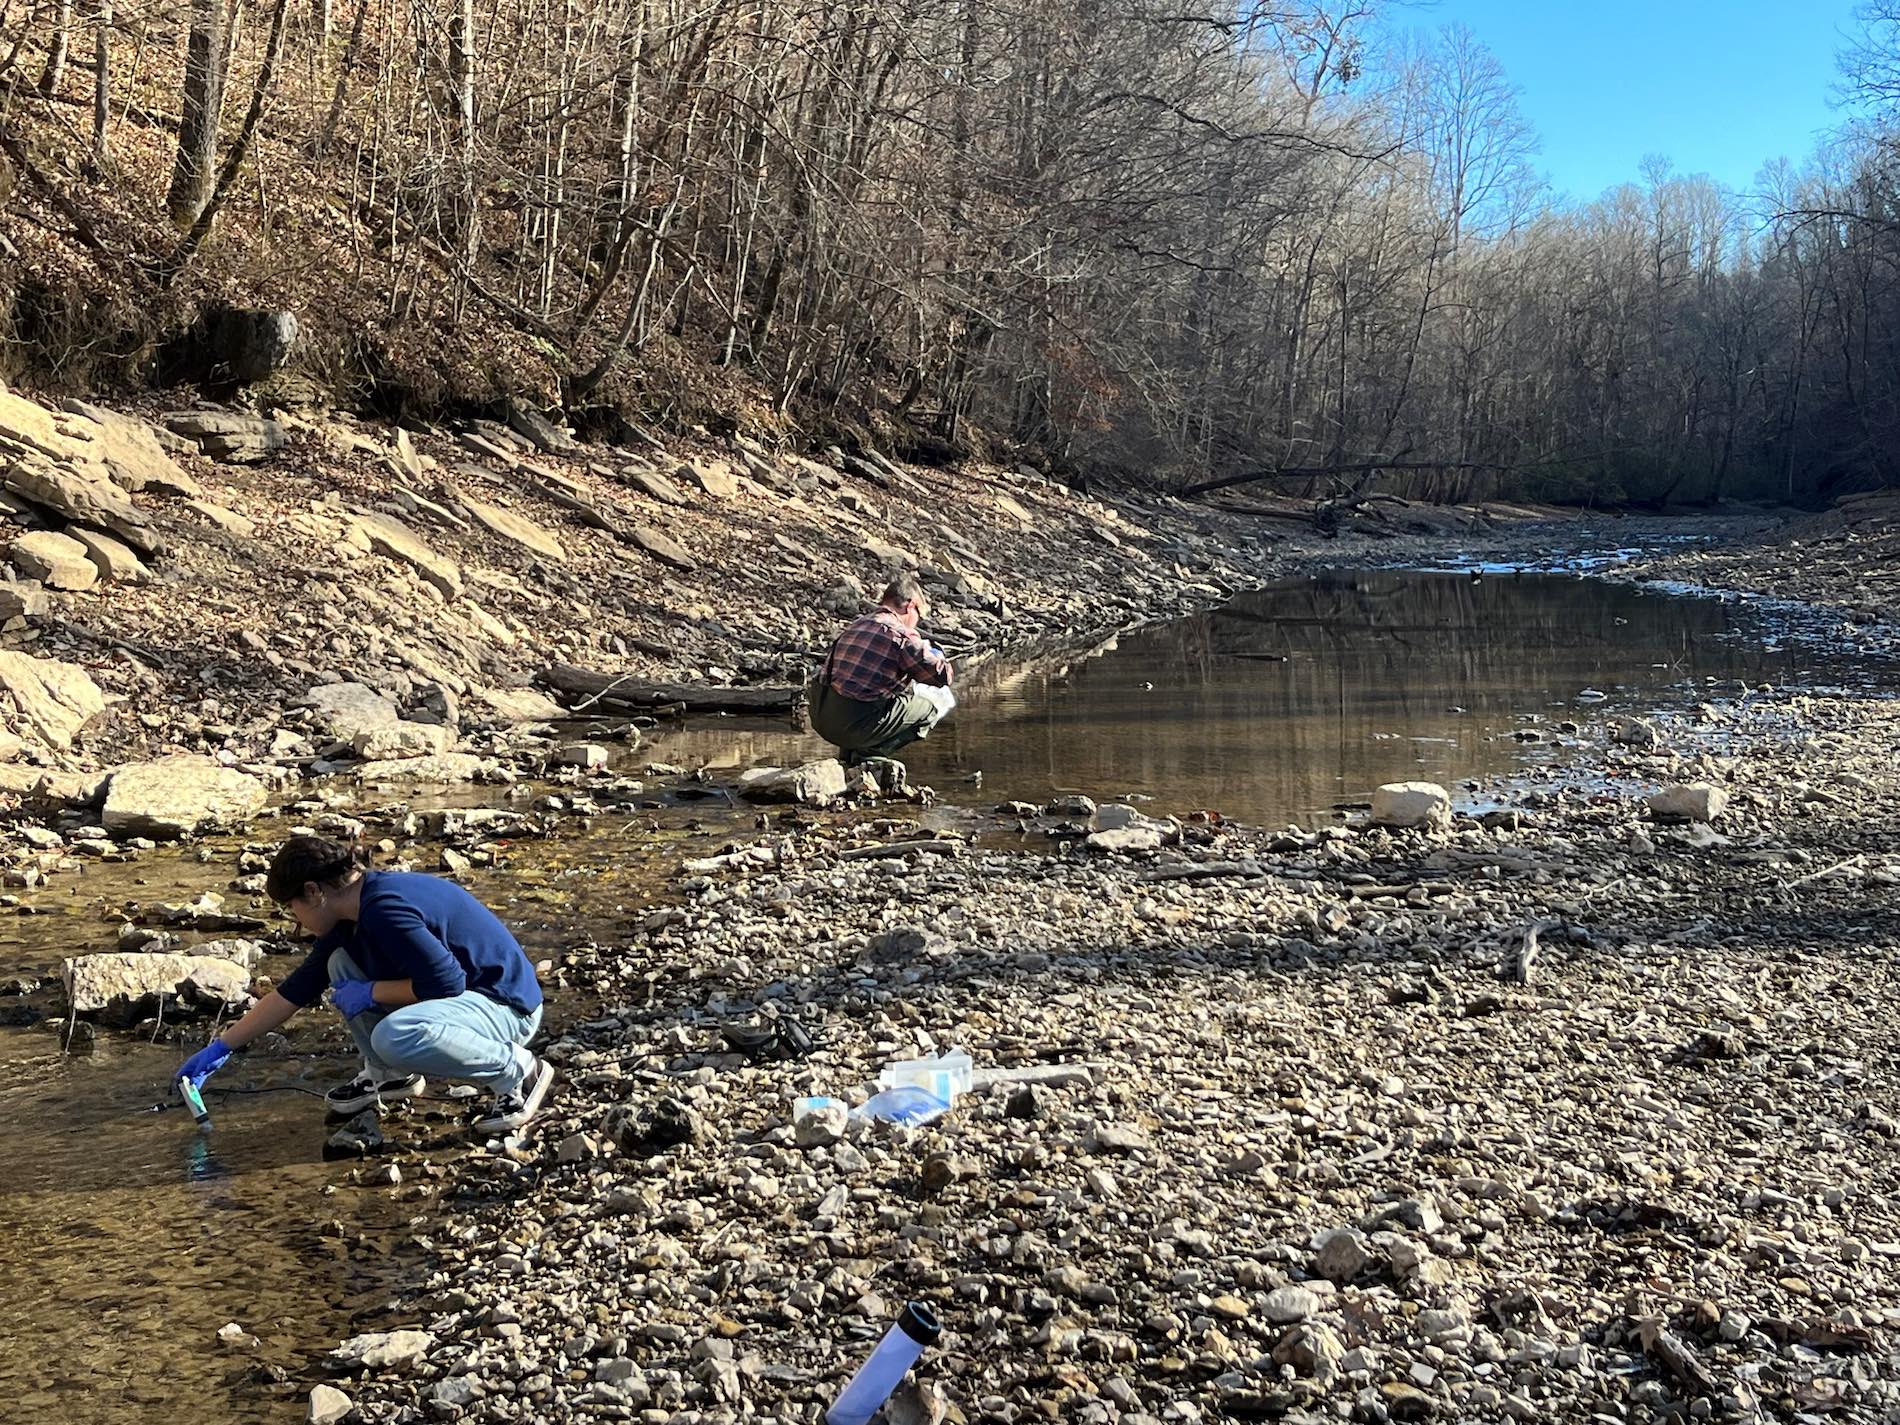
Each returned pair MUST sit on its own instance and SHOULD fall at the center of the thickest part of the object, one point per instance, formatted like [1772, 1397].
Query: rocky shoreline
[1573, 1111]
[1843, 563]
[452, 568]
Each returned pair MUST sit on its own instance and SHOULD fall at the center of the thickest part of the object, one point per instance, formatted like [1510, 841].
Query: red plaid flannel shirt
[876, 658]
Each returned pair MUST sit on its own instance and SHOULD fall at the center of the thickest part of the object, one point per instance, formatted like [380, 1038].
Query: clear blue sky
[1719, 86]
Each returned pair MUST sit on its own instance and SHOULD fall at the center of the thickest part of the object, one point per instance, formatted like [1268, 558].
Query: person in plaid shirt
[883, 686]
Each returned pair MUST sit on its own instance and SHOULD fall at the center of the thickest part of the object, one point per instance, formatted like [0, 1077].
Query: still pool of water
[1310, 693]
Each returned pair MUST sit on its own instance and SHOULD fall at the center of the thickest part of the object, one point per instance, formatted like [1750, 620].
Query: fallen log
[926, 846]
[1316, 472]
[585, 691]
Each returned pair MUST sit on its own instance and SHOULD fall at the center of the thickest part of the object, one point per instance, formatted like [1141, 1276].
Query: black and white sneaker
[513, 1110]
[368, 1091]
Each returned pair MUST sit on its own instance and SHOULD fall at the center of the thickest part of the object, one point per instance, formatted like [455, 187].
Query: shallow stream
[127, 1239]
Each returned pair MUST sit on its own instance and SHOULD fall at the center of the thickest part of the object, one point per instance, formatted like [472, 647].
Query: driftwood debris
[1676, 1356]
[584, 691]
[926, 846]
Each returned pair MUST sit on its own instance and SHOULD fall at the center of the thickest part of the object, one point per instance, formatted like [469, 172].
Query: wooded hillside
[1108, 235]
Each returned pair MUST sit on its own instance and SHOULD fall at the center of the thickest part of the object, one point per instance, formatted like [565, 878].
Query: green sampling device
[194, 1101]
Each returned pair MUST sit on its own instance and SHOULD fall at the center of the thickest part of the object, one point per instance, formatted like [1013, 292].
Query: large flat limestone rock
[123, 987]
[50, 700]
[179, 796]
[517, 529]
[382, 535]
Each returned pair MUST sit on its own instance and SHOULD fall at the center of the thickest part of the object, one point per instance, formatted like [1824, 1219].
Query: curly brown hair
[306, 859]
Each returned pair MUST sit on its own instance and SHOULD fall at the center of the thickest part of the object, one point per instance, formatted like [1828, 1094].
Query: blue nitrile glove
[352, 997]
[206, 1062]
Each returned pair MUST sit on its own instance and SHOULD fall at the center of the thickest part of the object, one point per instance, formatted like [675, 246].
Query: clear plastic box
[944, 1076]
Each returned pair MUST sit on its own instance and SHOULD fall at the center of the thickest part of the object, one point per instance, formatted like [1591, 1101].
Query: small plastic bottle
[194, 1100]
[916, 1328]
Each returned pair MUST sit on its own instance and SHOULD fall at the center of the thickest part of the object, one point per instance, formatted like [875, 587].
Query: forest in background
[1121, 238]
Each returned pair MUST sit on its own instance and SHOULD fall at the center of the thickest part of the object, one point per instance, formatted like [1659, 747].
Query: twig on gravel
[1825, 873]
[143, 652]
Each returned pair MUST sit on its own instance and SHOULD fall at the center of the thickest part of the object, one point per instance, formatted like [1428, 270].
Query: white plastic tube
[916, 1328]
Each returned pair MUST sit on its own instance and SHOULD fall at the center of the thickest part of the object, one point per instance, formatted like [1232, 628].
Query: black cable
[226, 1092]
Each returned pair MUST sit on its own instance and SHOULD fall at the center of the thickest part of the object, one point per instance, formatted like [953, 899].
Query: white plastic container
[944, 1076]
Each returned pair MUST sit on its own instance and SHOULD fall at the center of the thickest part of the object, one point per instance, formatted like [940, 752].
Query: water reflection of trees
[1365, 666]
[1372, 661]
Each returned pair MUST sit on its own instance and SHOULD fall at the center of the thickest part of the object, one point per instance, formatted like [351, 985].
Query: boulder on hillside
[132, 450]
[23, 599]
[346, 710]
[379, 534]
[179, 796]
[662, 547]
[28, 427]
[517, 529]
[116, 563]
[889, 557]
[715, 477]
[56, 560]
[250, 344]
[226, 519]
[654, 484]
[82, 496]
[122, 988]
[230, 436]
[92, 441]
[50, 701]
[845, 599]
[539, 431]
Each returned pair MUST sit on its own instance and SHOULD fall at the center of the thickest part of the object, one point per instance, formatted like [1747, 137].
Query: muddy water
[127, 1239]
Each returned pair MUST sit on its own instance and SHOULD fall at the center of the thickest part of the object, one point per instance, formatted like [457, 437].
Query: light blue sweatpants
[468, 1036]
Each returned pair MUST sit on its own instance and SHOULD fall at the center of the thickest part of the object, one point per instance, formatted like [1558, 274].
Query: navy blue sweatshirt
[428, 931]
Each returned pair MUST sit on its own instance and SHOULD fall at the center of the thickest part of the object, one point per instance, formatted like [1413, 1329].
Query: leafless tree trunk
[101, 83]
[194, 166]
[234, 160]
[462, 89]
[55, 70]
[352, 53]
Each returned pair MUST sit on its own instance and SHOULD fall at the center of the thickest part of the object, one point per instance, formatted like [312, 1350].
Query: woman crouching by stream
[427, 979]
